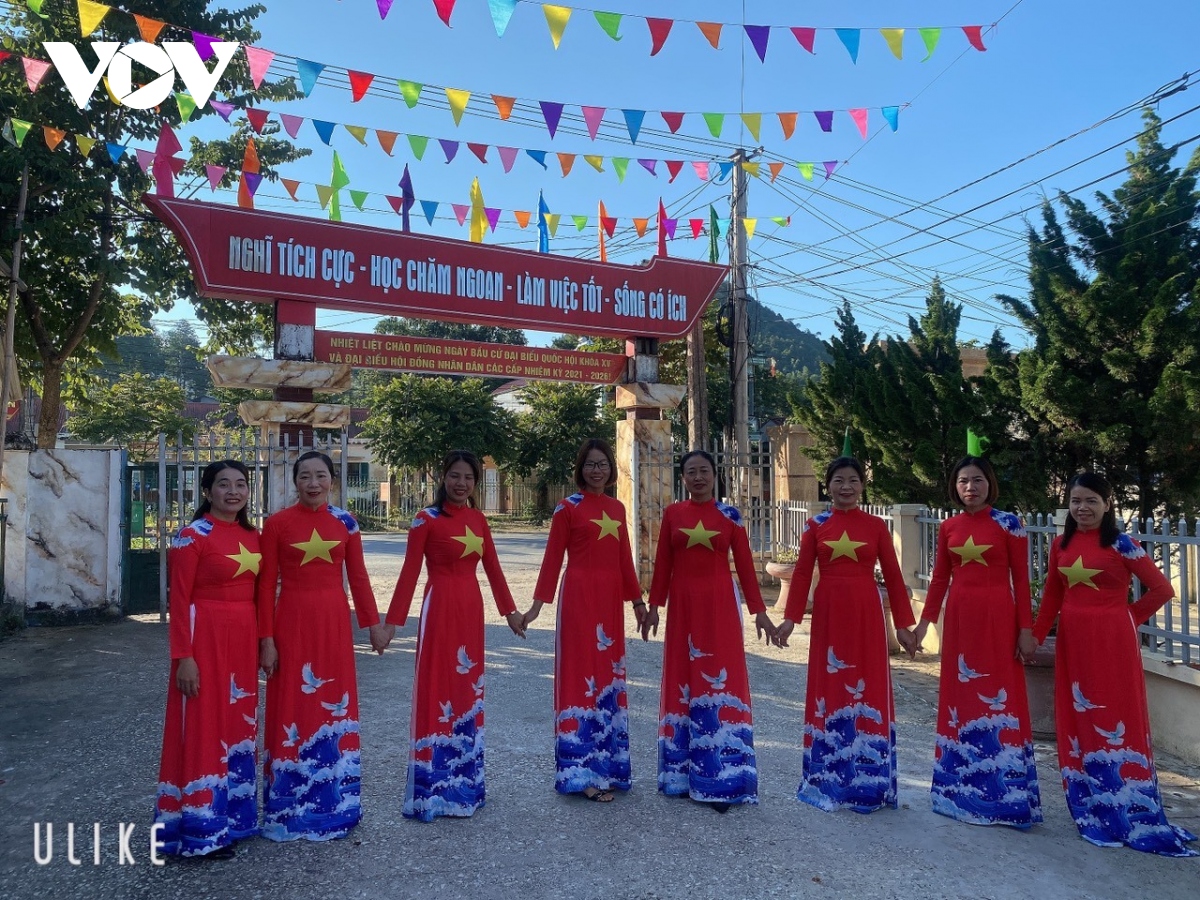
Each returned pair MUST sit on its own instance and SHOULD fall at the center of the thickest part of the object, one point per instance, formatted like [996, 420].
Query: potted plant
[1039, 676]
[782, 566]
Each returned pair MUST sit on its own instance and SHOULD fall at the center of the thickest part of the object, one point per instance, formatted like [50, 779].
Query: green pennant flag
[36, 6]
[340, 179]
[715, 122]
[847, 449]
[930, 36]
[780, 220]
[714, 236]
[20, 128]
[359, 198]
[610, 22]
[186, 105]
[974, 444]
[806, 169]
[324, 193]
[580, 222]
[410, 91]
[418, 143]
[620, 164]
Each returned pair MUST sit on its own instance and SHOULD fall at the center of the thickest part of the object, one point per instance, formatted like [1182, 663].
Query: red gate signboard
[242, 254]
[443, 357]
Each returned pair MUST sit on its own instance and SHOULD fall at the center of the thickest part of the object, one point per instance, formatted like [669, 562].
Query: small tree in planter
[783, 566]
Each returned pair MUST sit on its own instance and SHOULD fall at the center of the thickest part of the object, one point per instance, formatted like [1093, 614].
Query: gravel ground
[80, 727]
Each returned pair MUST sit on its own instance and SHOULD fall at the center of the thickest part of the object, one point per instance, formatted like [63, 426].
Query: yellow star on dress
[971, 552]
[608, 526]
[247, 561]
[698, 534]
[1078, 573]
[843, 546]
[472, 542]
[316, 547]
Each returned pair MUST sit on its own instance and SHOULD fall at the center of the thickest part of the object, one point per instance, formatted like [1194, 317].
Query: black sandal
[599, 796]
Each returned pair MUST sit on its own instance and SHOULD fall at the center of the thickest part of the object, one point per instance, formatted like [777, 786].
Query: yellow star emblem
[843, 546]
[472, 543]
[608, 526]
[316, 548]
[247, 561]
[971, 551]
[1078, 573]
[698, 534]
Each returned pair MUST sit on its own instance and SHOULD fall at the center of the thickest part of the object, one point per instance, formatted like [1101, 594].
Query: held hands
[908, 640]
[649, 622]
[763, 623]
[1026, 645]
[920, 631]
[639, 612]
[516, 622]
[782, 632]
[268, 656]
[187, 677]
[534, 611]
[381, 636]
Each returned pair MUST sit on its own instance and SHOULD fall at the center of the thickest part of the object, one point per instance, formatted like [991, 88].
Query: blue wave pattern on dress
[1009, 522]
[228, 814]
[450, 783]
[317, 796]
[345, 517]
[707, 759]
[844, 769]
[1111, 811]
[981, 780]
[596, 753]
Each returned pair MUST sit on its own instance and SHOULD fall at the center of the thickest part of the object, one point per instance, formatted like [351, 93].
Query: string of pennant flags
[415, 93]
[557, 16]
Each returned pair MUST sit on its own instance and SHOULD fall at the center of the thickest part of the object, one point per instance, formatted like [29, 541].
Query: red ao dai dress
[312, 766]
[445, 764]
[705, 730]
[207, 781]
[1100, 710]
[984, 771]
[591, 747]
[849, 715]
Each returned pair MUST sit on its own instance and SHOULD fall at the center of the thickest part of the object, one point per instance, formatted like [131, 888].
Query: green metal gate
[142, 562]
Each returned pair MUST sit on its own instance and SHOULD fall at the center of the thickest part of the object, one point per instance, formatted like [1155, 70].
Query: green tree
[131, 412]
[87, 234]
[416, 419]
[433, 328]
[1112, 376]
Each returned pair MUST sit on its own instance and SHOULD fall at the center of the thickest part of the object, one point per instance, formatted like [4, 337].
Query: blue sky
[872, 234]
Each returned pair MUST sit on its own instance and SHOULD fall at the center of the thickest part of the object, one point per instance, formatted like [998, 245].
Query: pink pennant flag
[701, 168]
[493, 216]
[805, 36]
[674, 167]
[974, 34]
[593, 116]
[460, 211]
[167, 145]
[445, 8]
[508, 156]
[257, 117]
[385, 7]
[215, 174]
[204, 44]
[291, 124]
[860, 119]
[697, 227]
[480, 151]
[360, 83]
[259, 61]
[223, 108]
[144, 159]
[35, 71]
[829, 165]
[659, 29]
[648, 165]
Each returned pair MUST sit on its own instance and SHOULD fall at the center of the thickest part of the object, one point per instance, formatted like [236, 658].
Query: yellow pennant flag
[639, 225]
[90, 15]
[54, 136]
[85, 144]
[522, 217]
[479, 222]
[753, 123]
[556, 18]
[111, 96]
[596, 162]
[324, 193]
[751, 168]
[359, 132]
[895, 40]
[552, 222]
[458, 102]
[750, 224]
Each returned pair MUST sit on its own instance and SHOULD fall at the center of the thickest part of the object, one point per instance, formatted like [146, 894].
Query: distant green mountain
[792, 348]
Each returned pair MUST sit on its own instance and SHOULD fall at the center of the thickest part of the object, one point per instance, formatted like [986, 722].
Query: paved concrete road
[80, 725]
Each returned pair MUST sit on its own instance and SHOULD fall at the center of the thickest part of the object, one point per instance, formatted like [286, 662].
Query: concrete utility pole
[697, 388]
[7, 384]
[740, 380]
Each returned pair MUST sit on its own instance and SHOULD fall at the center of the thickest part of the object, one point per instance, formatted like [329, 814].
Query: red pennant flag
[659, 29]
[387, 140]
[697, 227]
[805, 36]
[674, 166]
[673, 120]
[445, 8]
[610, 224]
[662, 230]
[257, 117]
[359, 83]
[480, 151]
[974, 34]
[395, 202]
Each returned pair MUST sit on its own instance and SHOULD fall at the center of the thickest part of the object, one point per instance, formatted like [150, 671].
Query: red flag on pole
[662, 230]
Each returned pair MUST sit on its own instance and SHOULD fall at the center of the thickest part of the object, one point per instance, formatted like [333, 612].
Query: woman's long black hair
[454, 456]
[1098, 484]
[209, 477]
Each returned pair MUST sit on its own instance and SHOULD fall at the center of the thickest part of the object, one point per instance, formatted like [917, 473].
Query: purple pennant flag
[508, 156]
[538, 156]
[669, 227]
[385, 7]
[551, 112]
[493, 216]
[407, 198]
[144, 159]
[824, 119]
[223, 109]
[830, 165]
[648, 165]
[450, 148]
[850, 38]
[759, 34]
[203, 44]
[253, 180]
[291, 124]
